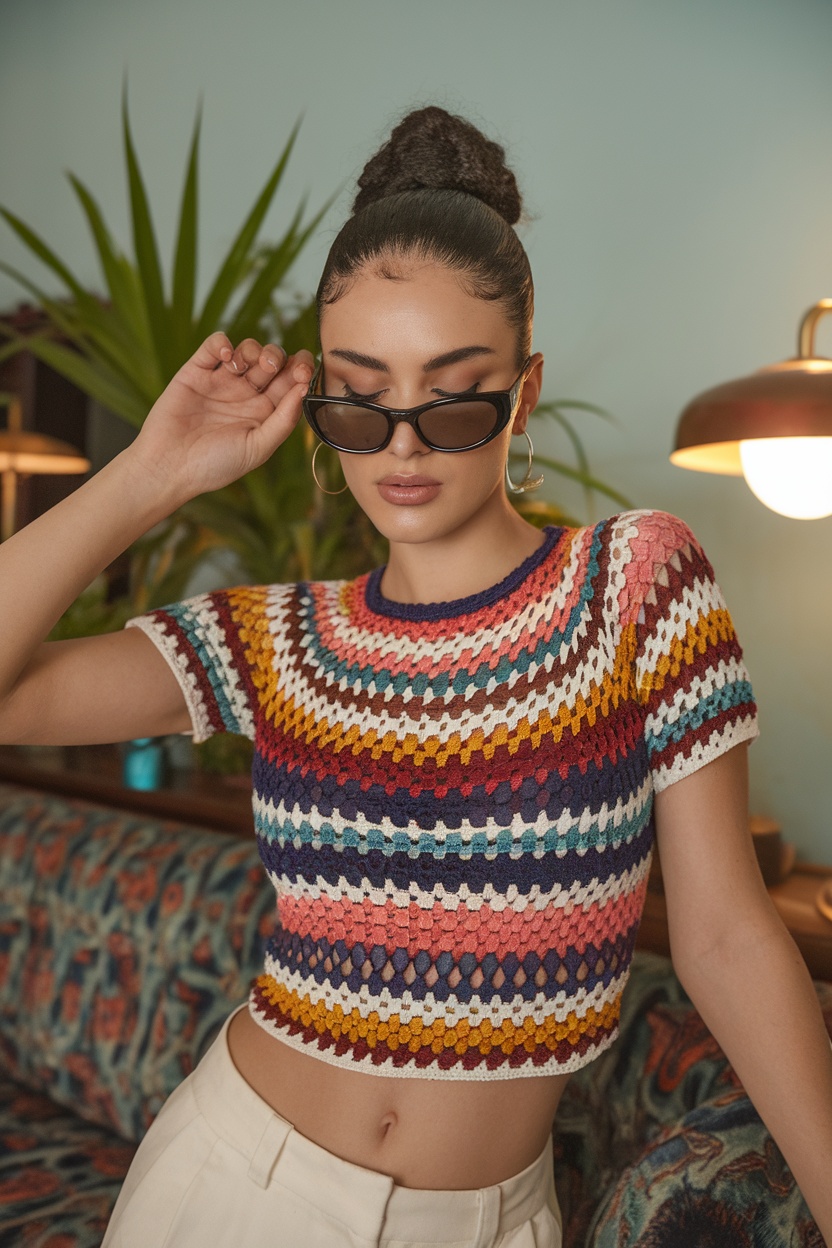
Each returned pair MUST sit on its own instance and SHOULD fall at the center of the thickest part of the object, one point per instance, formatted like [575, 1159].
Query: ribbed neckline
[435, 611]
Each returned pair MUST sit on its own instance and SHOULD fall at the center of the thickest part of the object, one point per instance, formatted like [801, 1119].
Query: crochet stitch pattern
[454, 800]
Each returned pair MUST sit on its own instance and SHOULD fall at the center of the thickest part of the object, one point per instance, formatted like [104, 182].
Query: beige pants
[220, 1169]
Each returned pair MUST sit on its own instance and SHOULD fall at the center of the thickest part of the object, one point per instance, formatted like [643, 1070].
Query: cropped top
[453, 801]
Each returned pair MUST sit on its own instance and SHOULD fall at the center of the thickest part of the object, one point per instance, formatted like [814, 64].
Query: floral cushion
[59, 1175]
[124, 943]
[656, 1143]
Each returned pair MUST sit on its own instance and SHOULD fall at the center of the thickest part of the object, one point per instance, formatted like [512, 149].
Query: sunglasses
[458, 423]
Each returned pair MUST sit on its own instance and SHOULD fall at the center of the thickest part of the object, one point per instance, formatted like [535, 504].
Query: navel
[387, 1123]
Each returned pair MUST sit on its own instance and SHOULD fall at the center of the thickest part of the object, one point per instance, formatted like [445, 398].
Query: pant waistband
[367, 1201]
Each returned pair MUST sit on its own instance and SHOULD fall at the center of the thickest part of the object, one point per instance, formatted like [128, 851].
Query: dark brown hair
[438, 190]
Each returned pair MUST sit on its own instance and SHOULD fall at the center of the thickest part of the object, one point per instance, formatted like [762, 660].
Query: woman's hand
[225, 412]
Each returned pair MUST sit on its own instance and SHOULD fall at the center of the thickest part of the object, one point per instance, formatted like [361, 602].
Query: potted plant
[121, 348]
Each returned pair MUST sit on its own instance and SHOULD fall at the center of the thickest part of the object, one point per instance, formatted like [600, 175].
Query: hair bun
[431, 148]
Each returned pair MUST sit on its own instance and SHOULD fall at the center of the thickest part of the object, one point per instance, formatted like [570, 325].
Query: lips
[401, 489]
[399, 478]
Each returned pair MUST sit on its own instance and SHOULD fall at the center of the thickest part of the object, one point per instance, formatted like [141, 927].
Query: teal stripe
[737, 693]
[189, 622]
[330, 662]
[399, 842]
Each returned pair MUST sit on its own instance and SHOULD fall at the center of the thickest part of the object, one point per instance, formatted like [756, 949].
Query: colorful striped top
[454, 800]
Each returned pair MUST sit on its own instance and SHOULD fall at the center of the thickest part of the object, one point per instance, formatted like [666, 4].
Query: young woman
[462, 760]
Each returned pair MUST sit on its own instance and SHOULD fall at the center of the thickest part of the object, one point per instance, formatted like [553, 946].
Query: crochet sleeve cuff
[201, 640]
[691, 675]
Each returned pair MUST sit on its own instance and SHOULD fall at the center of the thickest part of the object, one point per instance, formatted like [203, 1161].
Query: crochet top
[453, 800]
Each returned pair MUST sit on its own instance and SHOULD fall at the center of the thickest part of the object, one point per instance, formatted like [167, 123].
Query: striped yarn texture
[454, 800]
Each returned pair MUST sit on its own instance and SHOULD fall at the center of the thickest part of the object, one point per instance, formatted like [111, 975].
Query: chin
[417, 525]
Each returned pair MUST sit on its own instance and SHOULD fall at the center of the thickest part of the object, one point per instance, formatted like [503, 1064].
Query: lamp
[773, 427]
[24, 453]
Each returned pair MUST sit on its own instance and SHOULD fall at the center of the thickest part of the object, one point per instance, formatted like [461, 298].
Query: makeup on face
[455, 420]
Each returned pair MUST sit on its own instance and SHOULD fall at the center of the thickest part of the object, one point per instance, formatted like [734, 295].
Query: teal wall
[676, 156]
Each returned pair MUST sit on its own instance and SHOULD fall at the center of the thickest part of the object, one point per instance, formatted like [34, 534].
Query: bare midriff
[424, 1133]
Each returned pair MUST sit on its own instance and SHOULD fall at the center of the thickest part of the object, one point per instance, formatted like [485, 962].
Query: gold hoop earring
[529, 482]
[314, 475]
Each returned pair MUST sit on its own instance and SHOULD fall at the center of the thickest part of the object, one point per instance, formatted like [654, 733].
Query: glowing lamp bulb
[792, 476]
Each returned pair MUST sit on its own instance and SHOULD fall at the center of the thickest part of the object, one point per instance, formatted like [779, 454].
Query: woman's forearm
[47, 564]
[756, 996]
[224, 413]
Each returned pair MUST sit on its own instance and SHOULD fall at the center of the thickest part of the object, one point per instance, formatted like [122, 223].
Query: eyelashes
[349, 393]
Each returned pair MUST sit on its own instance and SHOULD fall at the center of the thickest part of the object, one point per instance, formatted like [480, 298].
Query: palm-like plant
[545, 511]
[123, 349]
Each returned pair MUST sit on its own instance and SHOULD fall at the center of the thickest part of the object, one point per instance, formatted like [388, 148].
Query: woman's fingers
[255, 368]
[213, 352]
[298, 370]
[277, 426]
[259, 365]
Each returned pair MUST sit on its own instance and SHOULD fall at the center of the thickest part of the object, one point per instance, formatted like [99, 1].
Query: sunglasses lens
[450, 427]
[350, 427]
[455, 425]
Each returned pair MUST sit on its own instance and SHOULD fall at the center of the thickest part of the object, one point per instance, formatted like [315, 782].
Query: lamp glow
[22, 453]
[773, 427]
[792, 476]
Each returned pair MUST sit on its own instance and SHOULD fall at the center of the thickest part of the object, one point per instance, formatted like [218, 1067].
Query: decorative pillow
[665, 1095]
[59, 1175]
[124, 943]
[714, 1180]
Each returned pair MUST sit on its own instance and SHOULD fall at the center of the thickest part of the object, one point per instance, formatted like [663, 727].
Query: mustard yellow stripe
[708, 631]
[602, 697]
[247, 610]
[417, 1035]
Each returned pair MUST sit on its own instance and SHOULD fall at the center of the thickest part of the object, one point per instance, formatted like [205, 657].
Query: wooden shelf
[94, 772]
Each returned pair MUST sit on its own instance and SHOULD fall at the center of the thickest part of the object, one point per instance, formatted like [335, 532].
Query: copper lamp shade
[22, 453]
[34, 452]
[788, 400]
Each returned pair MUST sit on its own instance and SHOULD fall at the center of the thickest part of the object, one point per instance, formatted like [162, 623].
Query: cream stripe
[577, 896]
[701, 687]
[701, 753]
[267, 816]
[408, 1007]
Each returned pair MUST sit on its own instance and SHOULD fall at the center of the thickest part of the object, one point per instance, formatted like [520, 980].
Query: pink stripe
[543, 578]
[658, 537]
[462, 930]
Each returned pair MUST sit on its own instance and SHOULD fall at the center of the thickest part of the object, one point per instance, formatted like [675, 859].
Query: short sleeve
[691, 677]
[204, 640]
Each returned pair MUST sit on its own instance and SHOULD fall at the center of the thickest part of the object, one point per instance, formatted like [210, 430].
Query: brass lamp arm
[806, 334]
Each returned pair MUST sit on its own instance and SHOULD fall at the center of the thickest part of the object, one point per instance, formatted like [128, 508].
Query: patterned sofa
[124, 943]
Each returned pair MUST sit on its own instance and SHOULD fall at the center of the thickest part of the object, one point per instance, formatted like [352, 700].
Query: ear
[529, 395]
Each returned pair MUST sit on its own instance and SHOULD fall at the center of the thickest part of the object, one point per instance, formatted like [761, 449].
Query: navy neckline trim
[434, 611]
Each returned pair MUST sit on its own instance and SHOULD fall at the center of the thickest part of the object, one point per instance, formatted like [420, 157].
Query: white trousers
[220, 1169]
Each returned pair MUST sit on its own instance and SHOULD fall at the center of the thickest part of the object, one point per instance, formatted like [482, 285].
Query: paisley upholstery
[124, 943]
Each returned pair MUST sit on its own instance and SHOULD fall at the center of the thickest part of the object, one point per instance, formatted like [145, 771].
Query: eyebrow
[438, 361]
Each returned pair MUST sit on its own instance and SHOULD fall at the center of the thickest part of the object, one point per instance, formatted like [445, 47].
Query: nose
[405, 441]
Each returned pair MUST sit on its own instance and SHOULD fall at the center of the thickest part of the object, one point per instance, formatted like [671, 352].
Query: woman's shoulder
[643, 535]
[639, 556]
[244, 605]
[648, 524]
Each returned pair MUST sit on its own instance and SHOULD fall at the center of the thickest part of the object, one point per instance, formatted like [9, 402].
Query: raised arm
[224, 412]
[743, 971]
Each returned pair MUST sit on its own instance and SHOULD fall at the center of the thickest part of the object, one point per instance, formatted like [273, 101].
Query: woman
[461, 760]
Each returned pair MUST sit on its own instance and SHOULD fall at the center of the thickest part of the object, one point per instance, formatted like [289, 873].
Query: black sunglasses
[458, 423]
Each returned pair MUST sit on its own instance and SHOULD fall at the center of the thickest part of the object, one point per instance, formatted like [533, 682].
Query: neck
[462, 562]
